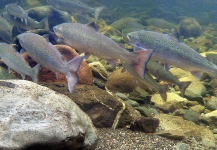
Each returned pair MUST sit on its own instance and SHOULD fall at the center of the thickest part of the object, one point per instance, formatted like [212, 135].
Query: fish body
[32, 24]
[6, 30]
[17, 12]
[160, 73]
[15, 61]
[48, 56]
[170, 51]
[86, 39]
[150, 82]
[76, 6]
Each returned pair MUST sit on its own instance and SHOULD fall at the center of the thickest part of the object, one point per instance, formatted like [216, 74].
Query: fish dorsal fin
[46, 37]
[92, 25]
[175, 35]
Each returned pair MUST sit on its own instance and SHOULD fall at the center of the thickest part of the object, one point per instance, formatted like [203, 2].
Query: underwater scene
[108, 75]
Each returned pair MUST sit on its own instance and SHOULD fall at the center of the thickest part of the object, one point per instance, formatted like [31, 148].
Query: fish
[46, 54]
[149, 81]
[169, 50]
[76, 6]
[6, 30]
[160, 73]
[14, 60]
[17, 12]
[85, 38]
[32, 24]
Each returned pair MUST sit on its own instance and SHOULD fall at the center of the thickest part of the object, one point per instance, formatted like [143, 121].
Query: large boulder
[104, 108]
[35, 116]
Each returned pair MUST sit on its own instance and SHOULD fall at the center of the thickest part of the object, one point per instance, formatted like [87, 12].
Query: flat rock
[32, 114]
[189, 129]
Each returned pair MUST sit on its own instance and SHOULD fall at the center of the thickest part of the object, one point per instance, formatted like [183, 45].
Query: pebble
[122, 96]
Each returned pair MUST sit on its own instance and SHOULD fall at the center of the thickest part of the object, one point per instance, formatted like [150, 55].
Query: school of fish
[151, 49]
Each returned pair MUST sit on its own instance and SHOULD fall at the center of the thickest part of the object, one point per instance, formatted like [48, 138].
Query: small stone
[215, 136]
[198, 109]
[147, 112]
[122, 96]
[191, 116]
[144, 124]
[214, 131]
[211, 103]
[172, 134]
[208, 143]
[132, 103]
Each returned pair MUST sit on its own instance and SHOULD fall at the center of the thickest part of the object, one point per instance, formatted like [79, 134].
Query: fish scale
[48, 56]
[15, 61]
[169, 50]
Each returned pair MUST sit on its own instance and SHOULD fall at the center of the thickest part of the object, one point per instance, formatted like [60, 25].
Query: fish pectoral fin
[57, 75]
[23, 76]
[112, 62]
[143, 57]
[167, 67]
[9, 69]
[86, 55]
[197, 74]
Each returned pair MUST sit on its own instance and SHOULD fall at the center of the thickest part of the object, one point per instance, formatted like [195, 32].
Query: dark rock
[191, 116]
[189, 27]
[144, 124]
[104, 109]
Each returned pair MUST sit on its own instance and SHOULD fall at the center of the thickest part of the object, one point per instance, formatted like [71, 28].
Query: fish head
[133, 37]
[58, 30]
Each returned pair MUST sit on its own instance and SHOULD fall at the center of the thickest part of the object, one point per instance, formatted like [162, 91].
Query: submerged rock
[104, 108]
[176, 126]
[32, 115]
[119, 81]
[189, 27]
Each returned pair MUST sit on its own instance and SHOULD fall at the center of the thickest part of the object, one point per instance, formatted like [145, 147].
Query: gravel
[124, 139]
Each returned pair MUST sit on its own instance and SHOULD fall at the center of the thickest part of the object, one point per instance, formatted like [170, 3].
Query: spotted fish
[15, 61]
[169, 50]
[48, 56]
[86, 39]
[17, 12]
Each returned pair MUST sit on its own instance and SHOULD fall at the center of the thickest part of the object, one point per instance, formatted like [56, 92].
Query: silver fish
[15, 61]
[48, 56]
[85, 38]
[160, 73]
[32, 24]
[76, 7]
[6, 30]
[15, 10]
[169, 50]
[150, 82]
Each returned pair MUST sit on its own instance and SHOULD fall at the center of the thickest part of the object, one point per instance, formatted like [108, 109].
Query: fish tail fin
[183, 87]
[97, 12]
[36, 72]
[71, 76]
[162, 92]
[143, 58]
[44, 23]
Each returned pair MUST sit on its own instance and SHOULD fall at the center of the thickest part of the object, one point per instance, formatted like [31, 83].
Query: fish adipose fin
[97, 12]
[71, 76]
[143, 58]
[183, 87]
[36, 70]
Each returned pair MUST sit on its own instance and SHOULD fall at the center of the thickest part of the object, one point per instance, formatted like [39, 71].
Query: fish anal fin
[197, 74]
[86, 55]
[183, 87]
[112, 62]
[23, 76]
[143, 57]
